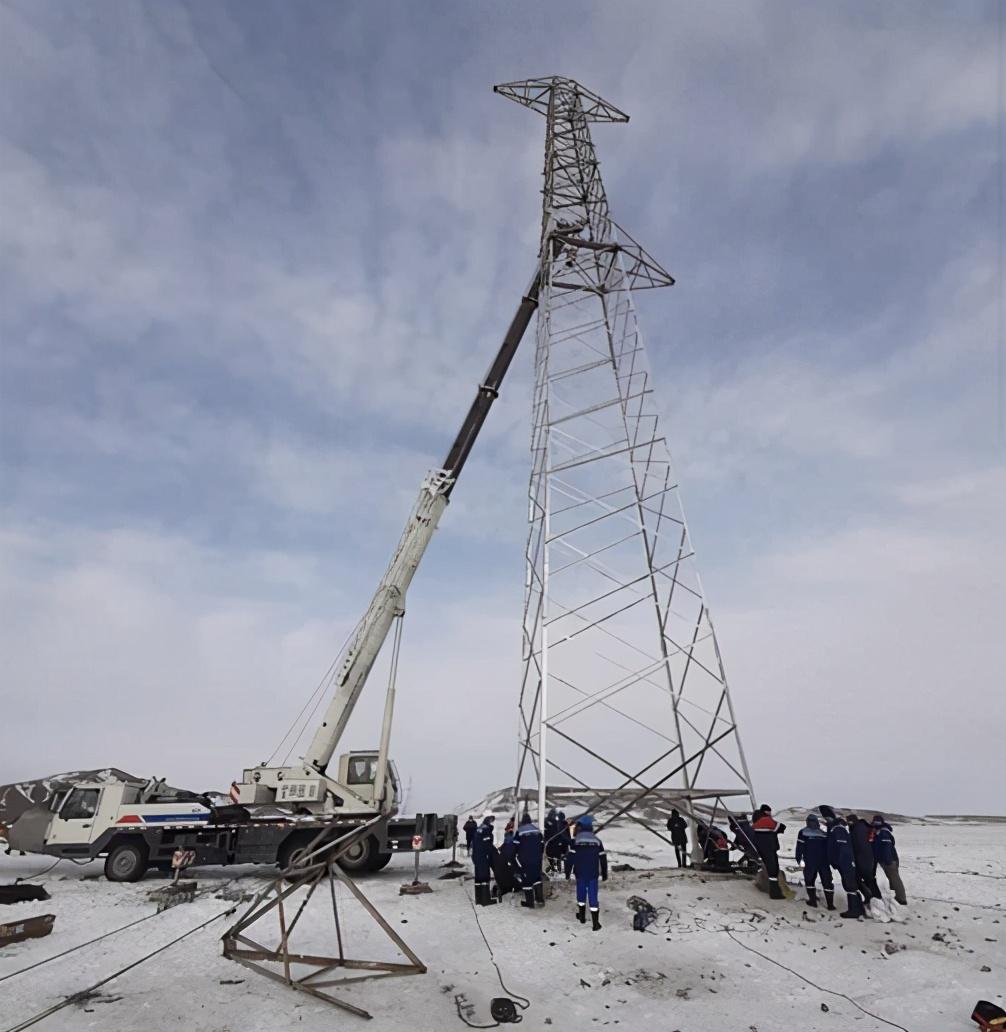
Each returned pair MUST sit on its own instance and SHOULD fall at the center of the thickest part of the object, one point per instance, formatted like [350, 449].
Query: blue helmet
[586, 822]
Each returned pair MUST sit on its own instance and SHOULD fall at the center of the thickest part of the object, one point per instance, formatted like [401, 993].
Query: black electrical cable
[820, 988]
[41, 874]
[84, 993]
[519, 1001]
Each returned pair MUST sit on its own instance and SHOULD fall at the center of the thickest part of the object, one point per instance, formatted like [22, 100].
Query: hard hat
[488, 816]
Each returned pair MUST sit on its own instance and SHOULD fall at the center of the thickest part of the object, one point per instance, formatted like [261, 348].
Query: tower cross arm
[536, 93]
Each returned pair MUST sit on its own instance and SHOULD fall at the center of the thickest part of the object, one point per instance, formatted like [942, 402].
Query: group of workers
[850, 845]
[517, 863]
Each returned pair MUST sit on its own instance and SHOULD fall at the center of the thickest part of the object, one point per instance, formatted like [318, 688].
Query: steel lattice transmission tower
[623, 684]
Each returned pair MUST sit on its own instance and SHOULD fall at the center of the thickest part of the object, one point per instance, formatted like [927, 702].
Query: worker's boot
[595, 919]
[528, 900]
[855, 905]
[775, 889]
[581, 913]
[539, 893]
[481, 893]
[829, 898]
[811, 897]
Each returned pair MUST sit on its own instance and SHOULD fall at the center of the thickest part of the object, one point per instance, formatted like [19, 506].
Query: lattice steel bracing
[623, 683]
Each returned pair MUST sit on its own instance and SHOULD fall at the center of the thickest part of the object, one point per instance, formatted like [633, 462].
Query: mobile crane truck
[276, 811]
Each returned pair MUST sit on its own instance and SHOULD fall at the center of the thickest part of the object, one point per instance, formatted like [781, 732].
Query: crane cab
[358, 771]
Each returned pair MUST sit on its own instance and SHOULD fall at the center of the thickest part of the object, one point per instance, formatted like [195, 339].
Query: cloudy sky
[255, 256]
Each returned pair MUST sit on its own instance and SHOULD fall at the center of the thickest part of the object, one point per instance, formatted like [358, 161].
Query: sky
[254, 258]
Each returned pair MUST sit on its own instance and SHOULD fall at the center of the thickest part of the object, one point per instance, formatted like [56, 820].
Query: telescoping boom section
[310, 785]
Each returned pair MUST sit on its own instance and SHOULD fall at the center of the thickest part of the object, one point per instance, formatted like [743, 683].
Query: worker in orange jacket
[766, 836]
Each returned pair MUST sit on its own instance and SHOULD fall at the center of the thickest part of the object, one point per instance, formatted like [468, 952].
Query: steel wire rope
[319, 688]
[104, 935]
[80, 946]
[820, 988]
[83, 994]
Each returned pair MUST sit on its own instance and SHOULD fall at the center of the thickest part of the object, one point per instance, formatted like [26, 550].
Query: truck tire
[126, 862]
[288, 852]
[380, 861]
[362, 857]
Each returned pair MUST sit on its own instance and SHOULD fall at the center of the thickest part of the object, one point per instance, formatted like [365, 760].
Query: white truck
[275, 811]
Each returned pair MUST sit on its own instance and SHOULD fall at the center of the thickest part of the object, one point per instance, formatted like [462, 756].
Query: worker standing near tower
[678, 827]
[766, 835]
[812, 849]
[529, 851]
[484, 855]
[557, 839]
[470, 827]
[886, 854]
[586, 859]
[862, 854]
[840, 857]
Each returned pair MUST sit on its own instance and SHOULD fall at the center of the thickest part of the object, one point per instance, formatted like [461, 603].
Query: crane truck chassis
[137, 826]
[277, 810]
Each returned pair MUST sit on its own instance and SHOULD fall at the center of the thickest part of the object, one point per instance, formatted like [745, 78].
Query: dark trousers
[530, 876]
[847, 872]
[771, 862]
[866, 876]
[681, 853]
[811, 872]
[482, 868]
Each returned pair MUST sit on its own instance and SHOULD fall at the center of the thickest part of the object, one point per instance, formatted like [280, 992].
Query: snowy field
[696, 972]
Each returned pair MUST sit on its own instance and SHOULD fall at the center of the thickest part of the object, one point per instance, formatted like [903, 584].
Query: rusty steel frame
[606, 687]
[318, 863]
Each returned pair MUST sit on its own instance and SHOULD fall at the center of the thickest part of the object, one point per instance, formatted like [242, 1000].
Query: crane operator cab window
[362, 770]
[80, 804]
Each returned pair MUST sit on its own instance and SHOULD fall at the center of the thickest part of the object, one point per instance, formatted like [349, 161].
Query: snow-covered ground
[696, 972]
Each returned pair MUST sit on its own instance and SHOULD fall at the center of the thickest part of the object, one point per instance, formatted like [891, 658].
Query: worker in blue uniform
[840, 857]
[484, 855]
[505, 868]
[812, 851]
[529, 851]
[587, 861]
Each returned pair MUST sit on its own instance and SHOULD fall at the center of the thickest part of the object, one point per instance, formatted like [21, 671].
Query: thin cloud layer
[254, 262]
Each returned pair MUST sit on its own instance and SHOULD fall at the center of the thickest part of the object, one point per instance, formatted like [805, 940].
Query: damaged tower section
[624, 700]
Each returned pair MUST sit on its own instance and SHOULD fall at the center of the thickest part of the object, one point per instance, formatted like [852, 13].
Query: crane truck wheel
[126, 862]
[361, 857]
[381, 860]
[291, 850]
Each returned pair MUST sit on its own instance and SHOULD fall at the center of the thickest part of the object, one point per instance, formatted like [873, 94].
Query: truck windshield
[82, 802]
[362, 770]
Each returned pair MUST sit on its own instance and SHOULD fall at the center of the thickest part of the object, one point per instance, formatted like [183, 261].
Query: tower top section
[540, 94]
